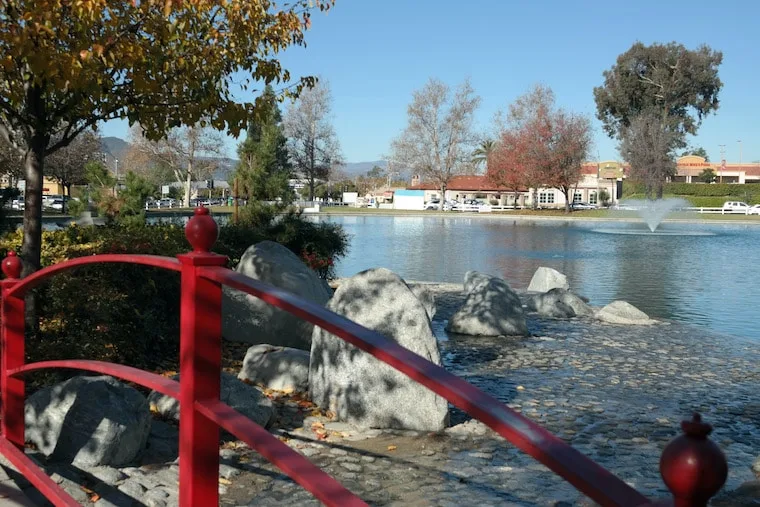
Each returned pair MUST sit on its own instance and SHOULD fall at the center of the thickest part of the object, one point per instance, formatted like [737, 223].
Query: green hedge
[723, 191]
[130, 314]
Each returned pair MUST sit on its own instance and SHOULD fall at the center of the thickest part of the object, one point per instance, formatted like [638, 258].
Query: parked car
[735, 207]
[433, 204]
[54, 204]
[582, 205]
[754, 210]
[18, 204]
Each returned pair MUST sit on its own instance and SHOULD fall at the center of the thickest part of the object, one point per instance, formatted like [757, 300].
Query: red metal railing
[693, 467]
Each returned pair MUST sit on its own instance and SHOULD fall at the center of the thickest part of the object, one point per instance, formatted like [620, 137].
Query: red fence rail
[693, 467]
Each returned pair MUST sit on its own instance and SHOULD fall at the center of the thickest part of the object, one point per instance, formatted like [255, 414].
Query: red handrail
[588, 477]
[202, 276]
[20, 288]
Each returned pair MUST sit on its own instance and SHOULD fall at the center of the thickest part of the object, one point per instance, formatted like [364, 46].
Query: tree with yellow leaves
[68, 65]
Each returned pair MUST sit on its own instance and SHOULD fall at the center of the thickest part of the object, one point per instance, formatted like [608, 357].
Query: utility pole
[722, 160]
[740, 151]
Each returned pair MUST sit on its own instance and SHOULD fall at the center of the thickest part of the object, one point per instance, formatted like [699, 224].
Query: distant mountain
[117, 148]
[114, 146]
[359, 168]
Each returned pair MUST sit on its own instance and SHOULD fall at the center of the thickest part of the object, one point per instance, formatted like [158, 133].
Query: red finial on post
[693, 466]
[12, 265]
[201, 231]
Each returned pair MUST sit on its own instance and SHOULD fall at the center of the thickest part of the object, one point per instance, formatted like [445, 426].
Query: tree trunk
[311, 187]
[188, 180]
[443, 197]
[31, 246]
[566, 191]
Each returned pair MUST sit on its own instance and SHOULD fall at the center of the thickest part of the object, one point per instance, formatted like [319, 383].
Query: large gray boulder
[474, 279]
[89, 421]
[244, 398]
[491, 308]
[558, 303]
[426, 297]
[360, 389]
[622, 312]
[281, 368]
[546, 279]
[250, 320]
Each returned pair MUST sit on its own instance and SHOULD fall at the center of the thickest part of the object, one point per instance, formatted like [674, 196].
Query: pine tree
[264, 169]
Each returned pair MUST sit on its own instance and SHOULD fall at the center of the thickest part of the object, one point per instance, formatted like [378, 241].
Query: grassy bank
[545, 213]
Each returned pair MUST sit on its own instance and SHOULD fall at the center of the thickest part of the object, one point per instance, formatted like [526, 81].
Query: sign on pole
[164, 189]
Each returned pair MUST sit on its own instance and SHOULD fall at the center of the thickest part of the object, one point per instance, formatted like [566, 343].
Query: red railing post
[200, 365]
[12, 354]
[693, 466]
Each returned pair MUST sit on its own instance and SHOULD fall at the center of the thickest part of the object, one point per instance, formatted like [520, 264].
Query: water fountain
[653, 212]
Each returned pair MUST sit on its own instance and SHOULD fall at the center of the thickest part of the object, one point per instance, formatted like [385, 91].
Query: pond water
[705, 275]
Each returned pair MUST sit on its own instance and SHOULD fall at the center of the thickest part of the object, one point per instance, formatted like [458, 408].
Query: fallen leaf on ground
[392, 447]
[224, 481]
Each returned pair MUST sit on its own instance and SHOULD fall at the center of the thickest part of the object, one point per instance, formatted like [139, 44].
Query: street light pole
[116, 170]
[722, 160]
[740, 152]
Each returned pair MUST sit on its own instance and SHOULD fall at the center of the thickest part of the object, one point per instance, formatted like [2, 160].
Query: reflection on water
[701, 274]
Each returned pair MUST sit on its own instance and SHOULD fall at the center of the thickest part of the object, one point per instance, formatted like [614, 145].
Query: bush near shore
[130, 314]
[711, 195]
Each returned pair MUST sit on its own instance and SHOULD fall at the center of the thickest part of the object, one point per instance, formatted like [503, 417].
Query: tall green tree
[662, 93]
[647, 145]
[67, 66]
[264, 168]
[678, 85]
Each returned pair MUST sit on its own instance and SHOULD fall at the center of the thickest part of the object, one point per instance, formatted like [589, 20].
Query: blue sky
[376, 53]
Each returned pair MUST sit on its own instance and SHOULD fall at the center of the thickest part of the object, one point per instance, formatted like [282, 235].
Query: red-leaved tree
[568, 147]
[540, 146]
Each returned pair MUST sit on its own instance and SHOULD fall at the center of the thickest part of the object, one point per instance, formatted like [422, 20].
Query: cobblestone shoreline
[615, 393]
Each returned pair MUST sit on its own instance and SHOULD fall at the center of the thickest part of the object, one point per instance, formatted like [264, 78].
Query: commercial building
[689, 168]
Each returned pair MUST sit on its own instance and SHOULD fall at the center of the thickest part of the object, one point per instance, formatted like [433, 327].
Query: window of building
[546, 198]
[592, 197]
[577, 197]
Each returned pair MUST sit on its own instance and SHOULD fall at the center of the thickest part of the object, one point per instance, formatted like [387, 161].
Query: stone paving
[615, 393]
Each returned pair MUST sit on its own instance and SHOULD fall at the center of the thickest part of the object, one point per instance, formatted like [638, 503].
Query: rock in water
[89, 421]
[244, 398]
[363, 390]
[546, 279]
[280, 368]
[250, 320]
[558, 303]
[491, 308]
[621, 312]
[473, 279]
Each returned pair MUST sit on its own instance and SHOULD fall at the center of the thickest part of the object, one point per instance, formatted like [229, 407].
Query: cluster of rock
[549, 295]
[100, 421]
[94, 421]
